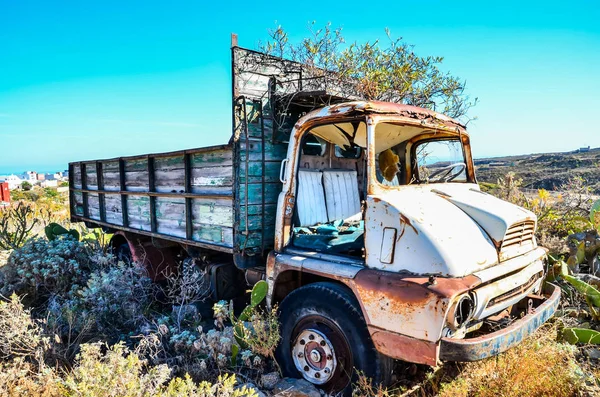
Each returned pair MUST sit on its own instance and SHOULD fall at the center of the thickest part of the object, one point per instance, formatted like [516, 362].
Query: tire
[123, 253]
[325, 340]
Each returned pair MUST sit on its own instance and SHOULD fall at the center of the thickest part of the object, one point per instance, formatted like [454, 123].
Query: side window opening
[351, 152]
[314, 146]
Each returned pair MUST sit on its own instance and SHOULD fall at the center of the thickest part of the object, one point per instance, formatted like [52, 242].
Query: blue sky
[85, 80]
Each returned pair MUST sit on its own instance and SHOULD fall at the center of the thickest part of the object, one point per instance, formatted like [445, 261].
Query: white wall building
[49, 183]
[30, 176]
[14, 182]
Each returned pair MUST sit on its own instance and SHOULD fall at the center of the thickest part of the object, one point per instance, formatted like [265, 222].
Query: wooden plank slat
[86, 211]
[123, 188]
[188, 201]
[213, 246]
[71, 186]
[101, 197]
[201, 194]
[152, 188]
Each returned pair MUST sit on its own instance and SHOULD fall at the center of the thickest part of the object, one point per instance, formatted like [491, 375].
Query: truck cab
[380, 213]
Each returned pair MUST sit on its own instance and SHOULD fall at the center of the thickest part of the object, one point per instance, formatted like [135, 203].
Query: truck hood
[448, 229]
[495, 216]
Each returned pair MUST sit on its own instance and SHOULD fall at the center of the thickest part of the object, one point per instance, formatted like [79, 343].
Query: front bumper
[497, 342]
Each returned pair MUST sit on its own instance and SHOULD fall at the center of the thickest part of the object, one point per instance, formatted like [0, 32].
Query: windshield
[408, 154]
[440, 161]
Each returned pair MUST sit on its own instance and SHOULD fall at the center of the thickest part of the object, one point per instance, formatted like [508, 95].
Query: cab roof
[354, 108]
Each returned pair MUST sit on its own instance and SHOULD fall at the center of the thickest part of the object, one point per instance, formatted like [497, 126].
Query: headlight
[461, 312]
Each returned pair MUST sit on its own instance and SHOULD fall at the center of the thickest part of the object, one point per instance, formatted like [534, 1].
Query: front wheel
[325, 339]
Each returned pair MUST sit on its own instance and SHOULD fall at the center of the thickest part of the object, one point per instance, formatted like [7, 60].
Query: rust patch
[402, 293]
[404, 348]
[404, 220]
[271, 264]
[447, 286]
[393, 285]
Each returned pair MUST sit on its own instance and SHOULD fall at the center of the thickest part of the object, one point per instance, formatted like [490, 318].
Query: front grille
[518, 234]
[515, 291]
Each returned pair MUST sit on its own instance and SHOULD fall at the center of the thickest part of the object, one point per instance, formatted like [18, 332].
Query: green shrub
[49, 267]
[117, 372]
[16, 225]
[120, 372]
[117, 297]
[224, 387]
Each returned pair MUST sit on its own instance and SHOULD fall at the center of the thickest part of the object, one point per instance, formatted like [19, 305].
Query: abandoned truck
[365, 219]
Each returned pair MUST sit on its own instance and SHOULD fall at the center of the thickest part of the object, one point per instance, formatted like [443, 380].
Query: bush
[20, 335]
[48, 267]
[117, 372]
[116, 298]
[120, 372]
[16, 225]
[20, 378]
[224, 387]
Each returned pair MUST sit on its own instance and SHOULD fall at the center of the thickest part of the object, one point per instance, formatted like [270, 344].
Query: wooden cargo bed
[185, 196]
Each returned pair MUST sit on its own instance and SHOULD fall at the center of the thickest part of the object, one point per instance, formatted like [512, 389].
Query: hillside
[544, 171]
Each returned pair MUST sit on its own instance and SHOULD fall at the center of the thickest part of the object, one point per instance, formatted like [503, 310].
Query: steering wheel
[449, 175]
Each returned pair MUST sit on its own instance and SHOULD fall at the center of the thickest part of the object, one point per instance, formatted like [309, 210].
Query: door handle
[282, 171]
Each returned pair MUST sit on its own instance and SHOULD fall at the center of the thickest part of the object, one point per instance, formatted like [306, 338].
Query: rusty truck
[365, 218]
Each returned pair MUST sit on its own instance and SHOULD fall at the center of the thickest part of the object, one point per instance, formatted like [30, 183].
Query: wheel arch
[117, 240]
[292, 279]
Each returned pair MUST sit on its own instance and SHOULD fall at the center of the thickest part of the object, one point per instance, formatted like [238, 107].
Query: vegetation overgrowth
[75, 321]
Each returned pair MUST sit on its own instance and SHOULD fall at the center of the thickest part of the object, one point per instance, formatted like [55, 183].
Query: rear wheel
[123, 253]
[325, 339]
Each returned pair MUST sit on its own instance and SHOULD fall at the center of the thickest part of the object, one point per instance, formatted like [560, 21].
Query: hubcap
[314, 356]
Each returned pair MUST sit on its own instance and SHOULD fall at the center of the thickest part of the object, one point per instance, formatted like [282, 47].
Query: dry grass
[537, 367]
[19, 378]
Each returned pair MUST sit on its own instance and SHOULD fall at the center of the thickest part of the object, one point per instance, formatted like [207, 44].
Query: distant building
[41, 177]
[584, 149]
[49, 183]
[30, 176]
[58, 176]
[4, 193]
[14, 182]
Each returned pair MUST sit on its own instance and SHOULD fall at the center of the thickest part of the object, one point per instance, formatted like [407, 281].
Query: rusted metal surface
[491, 344]
[407, 304]
[160, 263]
[359, 108]
[404, 348]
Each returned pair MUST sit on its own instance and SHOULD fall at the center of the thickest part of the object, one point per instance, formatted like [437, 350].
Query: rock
[251, 386]
[288, 387]
[185, 312]
[594, 354]
[269, 380]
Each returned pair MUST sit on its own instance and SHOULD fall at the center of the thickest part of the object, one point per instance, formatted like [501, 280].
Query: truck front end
[454, 273]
